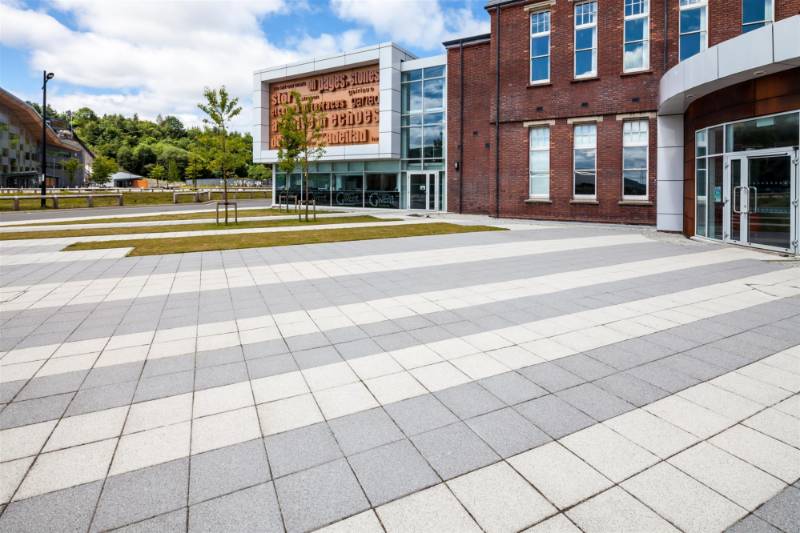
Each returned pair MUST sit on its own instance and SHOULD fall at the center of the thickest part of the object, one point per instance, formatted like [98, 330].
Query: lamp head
[50, 75]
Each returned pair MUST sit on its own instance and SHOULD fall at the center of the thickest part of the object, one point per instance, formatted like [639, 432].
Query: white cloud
[422, 23]
[155, 58]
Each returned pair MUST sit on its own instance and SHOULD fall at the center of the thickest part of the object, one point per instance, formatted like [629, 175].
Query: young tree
[157, 172]
[221, 108]
[102, 168]
[301, 140]
[193, 170]
[172, 171]
[71, 167]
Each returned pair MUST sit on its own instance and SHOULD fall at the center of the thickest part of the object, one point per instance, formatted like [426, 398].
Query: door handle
[755, 199]
[736, 195]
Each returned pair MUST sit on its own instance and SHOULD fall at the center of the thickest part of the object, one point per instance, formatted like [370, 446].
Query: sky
[154, 57]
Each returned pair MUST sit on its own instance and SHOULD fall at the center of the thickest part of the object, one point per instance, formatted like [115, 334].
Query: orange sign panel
[348, 98]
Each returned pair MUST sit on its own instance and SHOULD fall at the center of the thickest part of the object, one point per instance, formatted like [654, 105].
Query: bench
[56, 197]
[196, 195]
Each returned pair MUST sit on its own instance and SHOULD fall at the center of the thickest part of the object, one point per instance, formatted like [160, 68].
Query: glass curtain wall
[422, 118]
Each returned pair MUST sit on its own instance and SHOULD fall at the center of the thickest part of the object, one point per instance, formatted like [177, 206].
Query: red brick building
[556, 113]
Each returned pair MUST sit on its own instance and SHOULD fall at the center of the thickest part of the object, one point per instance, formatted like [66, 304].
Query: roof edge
[467, 40]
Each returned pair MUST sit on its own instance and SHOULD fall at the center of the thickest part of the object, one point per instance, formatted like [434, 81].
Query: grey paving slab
[454, 450]
[60, 511]
[507, 432]
[37, 410]
[391, 471]
[365, 430]
[99, 398]
[142, 494]
[631, 389]
[168, 365]
[551, 377]
[270, 365]
[164, 385]
[585, 367]
[316, 357]
[594, 401]
[251, 509]
[51, 385]
[782, 510]
[172, 522]
[752, 524]
[469, 400]
[319, 496]
[222, 356]
[265, 349]
[554, 416]
[101, 376]
[663, 376]
[227, 469]
[217, 376]
[512, 388]
[299, 449]
[420, 414]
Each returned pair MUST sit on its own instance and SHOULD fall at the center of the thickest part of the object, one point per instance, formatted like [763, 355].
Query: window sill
[635, 202]
[543, 84]
[587, 78]
[635, 73]
[588, 201]
[538, 201]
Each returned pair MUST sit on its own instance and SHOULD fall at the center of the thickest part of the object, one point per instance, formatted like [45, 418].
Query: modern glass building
[385, 125]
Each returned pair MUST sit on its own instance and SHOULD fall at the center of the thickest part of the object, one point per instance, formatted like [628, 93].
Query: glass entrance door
[761, 200]
[423, 191]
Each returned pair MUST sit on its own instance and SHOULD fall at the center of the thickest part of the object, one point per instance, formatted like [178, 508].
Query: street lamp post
[46, 76]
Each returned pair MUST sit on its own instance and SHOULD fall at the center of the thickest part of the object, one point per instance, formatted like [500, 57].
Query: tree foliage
[301, 140]
[137, 145]
[102, 168]
[71, 166]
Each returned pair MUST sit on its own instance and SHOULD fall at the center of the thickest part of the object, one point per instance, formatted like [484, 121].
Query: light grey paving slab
[554, 416]
[468, 400]
[172, 522]
[299, 449]
[141, 494]
[319, 496]
[420, 414]
[507, 432]
[512, 388]
[363, 431]
[551, 377]
[61, 511]
[227, 469]
[391, 471]
[454, 450]
[595, 402]
[251, 509]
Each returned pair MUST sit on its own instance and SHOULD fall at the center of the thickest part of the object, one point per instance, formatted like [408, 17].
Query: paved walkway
[557, 378]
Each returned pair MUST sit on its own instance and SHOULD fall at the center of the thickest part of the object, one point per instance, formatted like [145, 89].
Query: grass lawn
[203, 226]
[283, 238]
[129, 198]
[243, 213]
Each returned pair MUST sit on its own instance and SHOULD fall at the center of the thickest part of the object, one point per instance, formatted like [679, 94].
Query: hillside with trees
[164, 147]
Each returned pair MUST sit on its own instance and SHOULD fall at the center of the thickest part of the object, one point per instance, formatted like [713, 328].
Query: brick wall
[611, 93]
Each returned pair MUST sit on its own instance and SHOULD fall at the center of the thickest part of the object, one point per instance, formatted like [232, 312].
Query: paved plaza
[549, 378]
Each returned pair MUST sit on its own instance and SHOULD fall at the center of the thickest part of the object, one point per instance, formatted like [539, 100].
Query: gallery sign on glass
[349, 99]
